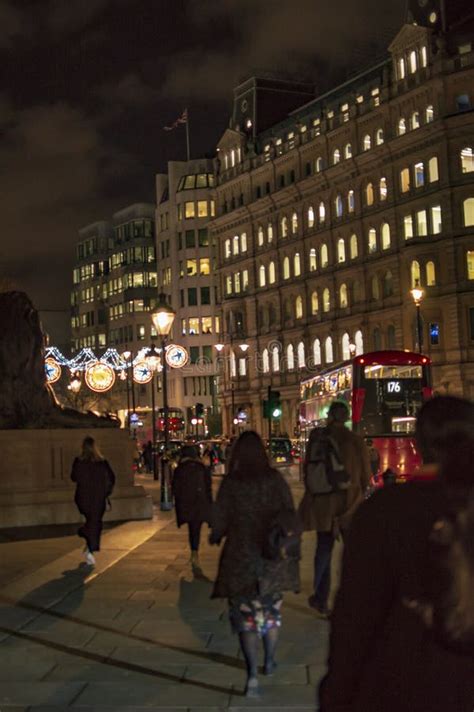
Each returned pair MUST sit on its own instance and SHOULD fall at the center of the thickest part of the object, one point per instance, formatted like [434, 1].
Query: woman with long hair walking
[95, 481]
[250, 498]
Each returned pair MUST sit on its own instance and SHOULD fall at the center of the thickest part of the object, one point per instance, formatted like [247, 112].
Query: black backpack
[324, 470]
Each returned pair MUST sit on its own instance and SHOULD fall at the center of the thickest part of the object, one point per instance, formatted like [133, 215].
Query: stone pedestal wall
[35, 470]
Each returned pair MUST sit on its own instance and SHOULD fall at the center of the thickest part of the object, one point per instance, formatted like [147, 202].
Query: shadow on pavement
[45, 531]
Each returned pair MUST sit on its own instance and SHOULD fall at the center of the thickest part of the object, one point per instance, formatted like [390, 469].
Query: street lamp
[152, 357]
[126, 356]
[163, 318]
[220, 348]
[418, 293]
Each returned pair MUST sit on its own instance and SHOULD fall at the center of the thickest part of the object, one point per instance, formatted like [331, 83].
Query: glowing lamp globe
[417, 293]
[152, 358]
[163, 317]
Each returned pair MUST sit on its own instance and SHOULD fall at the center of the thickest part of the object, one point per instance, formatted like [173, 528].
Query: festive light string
[87, 357]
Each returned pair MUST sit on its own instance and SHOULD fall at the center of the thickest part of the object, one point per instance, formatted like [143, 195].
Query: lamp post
[126, 357]
[418, 293]
[220, 348]
[163, 318]
[152, 357]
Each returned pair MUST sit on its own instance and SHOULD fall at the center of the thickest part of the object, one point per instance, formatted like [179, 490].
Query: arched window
[260, 235]
[271, 273]
[269, 232]
[379, 139]
[290, 357]
[369, 194]
[261, 276]
[286, 268]
[227, 248]
[429, 114]
[233, 365]
[284, 226]
[310, 216]
[412, 62]
[326, 300]
[377, 339]
[468, 209]
[294, 223]
[317, 352]
[467, 159]
[318, 165]
[313, 260]
[402, 127]
[235, 245]
[391, 339]
[275, 359]
[383, 190]
[338, 206]
[322, 212]
[301, 355]
[314, 303]
[415, 274]
[328, 351]
[401, 68]
[359, 343]
[375, 288]
[356, 292]
[299, 307]
[367, 143]
[336, 156]
[287, 313]
[415, 120]
[243, 242]
[354, 247]
[343, 301]
[297, 264]
[345, 348]
[350, 201]
[470, 264]
[372, 240]
[348, 150]
[324, 255]
[385, 236]
[265, 361]
[388, 284]
[341, 250]
[430, 274]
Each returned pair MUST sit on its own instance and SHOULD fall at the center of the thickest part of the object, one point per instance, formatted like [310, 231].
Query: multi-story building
[328, 217]
[185, 204]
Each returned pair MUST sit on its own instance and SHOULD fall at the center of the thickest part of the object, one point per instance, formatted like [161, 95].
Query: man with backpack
[337, 473]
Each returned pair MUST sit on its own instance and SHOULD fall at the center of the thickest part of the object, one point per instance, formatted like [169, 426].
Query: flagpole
[188, 150]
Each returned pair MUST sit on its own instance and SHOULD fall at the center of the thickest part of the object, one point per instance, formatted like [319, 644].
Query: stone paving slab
[154, 693]
[50, 693]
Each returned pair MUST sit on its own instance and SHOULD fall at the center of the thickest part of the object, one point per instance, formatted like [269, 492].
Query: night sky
[87, 86]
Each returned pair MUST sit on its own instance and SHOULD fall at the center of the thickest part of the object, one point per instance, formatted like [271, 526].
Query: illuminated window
[350, 201]
[328, 350]
[314, 303]
[265, 361]
[385, 233]
[233, 365]
[424, 56]
[372, 240]
[369, 194]
[326, 300]
[318, 165]
[294, 223]
[412, 62]
[290, 357]
[313, 260]
[470, 264]
[189, 210]
[430, 274]
[359, 342]
[354, 247]
[237, 282]
[341, 250]
[367, 143]
[261, 276]
[433, 172]
[202, 209]
[379, 137]
[415, 120]
[338, 206]
[408, 226]
[193, 329]
[191, 268]
[421, 223]
[401, 68]
[348, 150]
[298, 307]
[317, 352]
[402, 127]
[310, 216]
[322, 212]
[419, 175]
[269, 232]
[375, 93]
[345, 344]
[468, 210]
[284, 226]
[415, 275]
[467, 159]
[286, 268]
[271, 273]
[387, 284]
[429, 114]
[324, 255]
[383, 190]
[236, 245]
[260, 236]
[204, 266]
[243, 242]
[405, 180]
[345, 112]
[343, 301]
[245, 279]
[228, 284]
[297, 264]
[336, 156]
[275, 359]
[301, 355]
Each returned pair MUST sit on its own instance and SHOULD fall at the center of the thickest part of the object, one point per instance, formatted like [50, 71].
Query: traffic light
[199, 410]
[272, 406]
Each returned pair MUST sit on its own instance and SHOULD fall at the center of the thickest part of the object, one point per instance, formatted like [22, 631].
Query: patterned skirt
[255, 615]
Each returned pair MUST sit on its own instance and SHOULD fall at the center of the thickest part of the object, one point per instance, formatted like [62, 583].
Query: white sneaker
[90, 558]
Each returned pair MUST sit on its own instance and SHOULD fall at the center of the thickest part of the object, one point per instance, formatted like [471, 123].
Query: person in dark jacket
[384, 654]
[192, 491]
[250, 497]
[95, 481]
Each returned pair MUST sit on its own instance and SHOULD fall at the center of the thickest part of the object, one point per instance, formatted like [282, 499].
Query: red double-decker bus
[384, 391]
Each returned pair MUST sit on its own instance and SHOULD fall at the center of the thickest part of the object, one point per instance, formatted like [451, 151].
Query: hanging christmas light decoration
[142, 373]
[99, 376]
[53, 370]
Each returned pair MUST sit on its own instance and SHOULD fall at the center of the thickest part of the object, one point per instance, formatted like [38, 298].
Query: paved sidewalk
[140, 633]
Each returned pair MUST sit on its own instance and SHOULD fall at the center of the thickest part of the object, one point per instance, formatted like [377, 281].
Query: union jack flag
[183, 119]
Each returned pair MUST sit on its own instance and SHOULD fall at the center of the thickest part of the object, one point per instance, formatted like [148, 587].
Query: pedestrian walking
[328, 510]
[95, 481]
[402, 630]
[251, 498]
[192, 491]
[147, 454]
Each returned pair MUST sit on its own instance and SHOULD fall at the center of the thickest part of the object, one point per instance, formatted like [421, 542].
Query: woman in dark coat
[95, 481]
[250, 497]
[192, 491]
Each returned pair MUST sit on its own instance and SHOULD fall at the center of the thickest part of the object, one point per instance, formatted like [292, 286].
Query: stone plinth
[35, 469]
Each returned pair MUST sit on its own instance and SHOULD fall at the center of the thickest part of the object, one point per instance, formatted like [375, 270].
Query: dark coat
[242, 514]
[382, 657]
[94, 483]
[192, 491]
